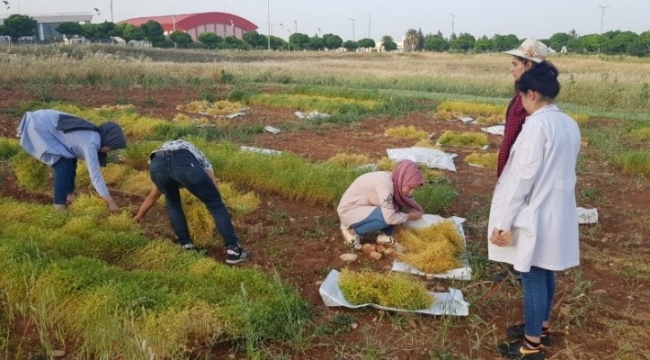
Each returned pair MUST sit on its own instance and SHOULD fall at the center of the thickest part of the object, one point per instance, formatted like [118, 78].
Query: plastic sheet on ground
[466, 120]
[260, 150]
[433, 158]
[462, 273]
[314, 115]
[449, 303]
[587, 216]
[367, 167]
[495, 130]
[272, 130]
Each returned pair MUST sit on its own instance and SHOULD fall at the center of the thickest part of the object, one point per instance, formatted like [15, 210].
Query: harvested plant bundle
[488, 160]
[349, 160]
[433, 249]
[469, 139]
[390, 290]
[407, 132]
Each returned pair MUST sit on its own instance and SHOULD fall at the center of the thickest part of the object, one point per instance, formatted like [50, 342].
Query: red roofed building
[222, 24]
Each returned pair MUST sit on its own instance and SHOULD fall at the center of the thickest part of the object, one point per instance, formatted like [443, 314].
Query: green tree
[464, 42]
[411, 40]
[69, 29]
[435, 42]
[2, 30]
[624, 42]
[153, 32]
[420, 46]
[278, 43]
[332, 41]
[505, 42]
[131, 32]
[211, 40]
[350, 45]
[594, 42]
[17, 26]
[299, 41]
[315, 43]
[232, 42]
[366, 43]
[644, 41]
[256, 40]
[388, 43]
[483, 44]
[559, 40]
[181, 39]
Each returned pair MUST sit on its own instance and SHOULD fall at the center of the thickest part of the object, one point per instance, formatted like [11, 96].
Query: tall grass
[589, 81]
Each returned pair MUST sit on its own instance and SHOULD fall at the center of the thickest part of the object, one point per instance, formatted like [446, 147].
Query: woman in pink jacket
[374, 202]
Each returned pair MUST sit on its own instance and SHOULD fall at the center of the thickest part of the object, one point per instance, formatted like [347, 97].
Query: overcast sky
[376, 18]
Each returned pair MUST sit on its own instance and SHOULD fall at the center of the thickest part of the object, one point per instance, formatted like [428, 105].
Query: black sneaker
[236, 255]
[517, 350]
[518, 332]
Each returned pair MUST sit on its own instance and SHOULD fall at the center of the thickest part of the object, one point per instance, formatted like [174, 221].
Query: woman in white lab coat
[533, 221]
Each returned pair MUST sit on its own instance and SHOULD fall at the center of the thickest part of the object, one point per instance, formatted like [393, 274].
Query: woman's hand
[501, 237]
[414, 215]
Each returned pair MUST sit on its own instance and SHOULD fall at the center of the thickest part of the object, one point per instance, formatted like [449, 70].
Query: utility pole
[296, 23]
[602, 16]
[369, 36]
[268, 13]
[353, 35]
[112, 12]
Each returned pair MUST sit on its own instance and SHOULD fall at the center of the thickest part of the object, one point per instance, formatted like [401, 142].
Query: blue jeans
[374, 222]
[539, 288]
[65, 173]
[181, 169]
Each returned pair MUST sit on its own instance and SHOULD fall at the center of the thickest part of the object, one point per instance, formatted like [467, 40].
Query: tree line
[612, 42]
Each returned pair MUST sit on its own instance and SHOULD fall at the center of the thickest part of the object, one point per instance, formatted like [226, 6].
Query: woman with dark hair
[374, 202]
[533, 223]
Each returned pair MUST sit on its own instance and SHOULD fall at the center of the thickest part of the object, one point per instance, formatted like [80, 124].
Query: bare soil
[303, 243]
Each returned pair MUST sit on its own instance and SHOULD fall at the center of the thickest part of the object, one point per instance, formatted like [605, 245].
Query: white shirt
[535, 195]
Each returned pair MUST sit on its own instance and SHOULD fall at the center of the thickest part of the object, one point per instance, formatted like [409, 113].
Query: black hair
[541, 78]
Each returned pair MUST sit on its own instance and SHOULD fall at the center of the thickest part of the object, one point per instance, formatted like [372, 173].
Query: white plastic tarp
[433, 158]
[449, 303]
[462, 273]
[314, 115]
[587, 216]
[260, 150]
[495, 130]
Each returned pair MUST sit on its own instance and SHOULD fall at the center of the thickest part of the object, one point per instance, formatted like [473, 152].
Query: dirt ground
[303, 243]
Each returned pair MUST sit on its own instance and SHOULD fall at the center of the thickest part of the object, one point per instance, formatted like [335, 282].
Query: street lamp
[173, 23]
[353, 35]
[232, 27]
[112, 11]
[7, 6]
[602, 16]
[97, 13]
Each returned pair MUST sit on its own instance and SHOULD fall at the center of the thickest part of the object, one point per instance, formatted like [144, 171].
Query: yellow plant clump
[134, 124]
[349, 160]
[581, 119]
[488, 160]
[426, 143]
[184, 119]
[138, 183]
[468, 139]
[237, 203]
[642, 134]
[154, 256]
[203, 107]
[311, 102]
[483, 113]
[406, 132]
[390, 290]
[386, 164]
[433, 249]
[31, 174]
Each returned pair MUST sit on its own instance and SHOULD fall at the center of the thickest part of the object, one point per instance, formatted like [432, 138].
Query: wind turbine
[453, 17]
[353, 36]
[602, 16]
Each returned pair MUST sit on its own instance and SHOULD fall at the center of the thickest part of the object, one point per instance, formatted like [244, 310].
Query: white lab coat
[535, 195]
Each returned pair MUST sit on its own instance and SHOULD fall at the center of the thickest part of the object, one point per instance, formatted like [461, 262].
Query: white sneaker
[351, 240]
[385, 239]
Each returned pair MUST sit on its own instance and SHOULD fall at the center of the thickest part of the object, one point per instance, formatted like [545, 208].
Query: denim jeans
[539, 289]
[65, 173]
[181, 169]
[375, 221]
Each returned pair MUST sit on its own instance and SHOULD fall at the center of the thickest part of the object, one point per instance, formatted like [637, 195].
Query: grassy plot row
[146, 299]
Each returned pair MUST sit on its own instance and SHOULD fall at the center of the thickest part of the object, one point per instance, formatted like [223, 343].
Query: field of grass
[101, 287]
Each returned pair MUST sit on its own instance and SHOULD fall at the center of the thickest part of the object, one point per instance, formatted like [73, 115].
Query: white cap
[530, 49]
